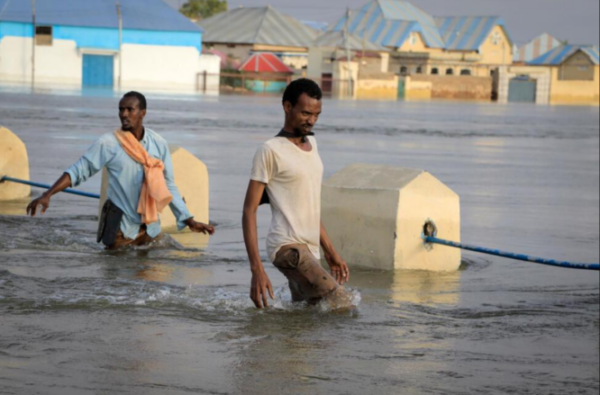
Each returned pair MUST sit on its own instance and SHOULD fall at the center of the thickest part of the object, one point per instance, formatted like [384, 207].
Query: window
[465, 72]
[414, 39]
[435, 71]
[43, 35]
[449, 72]
[419, 70]
[403, 70]
[496, 38]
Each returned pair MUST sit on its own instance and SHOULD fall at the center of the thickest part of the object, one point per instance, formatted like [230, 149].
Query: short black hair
[299, 87]
[141, 99]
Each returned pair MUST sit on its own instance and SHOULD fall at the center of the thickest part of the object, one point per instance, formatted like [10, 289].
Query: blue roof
[137, 14]
[390, 22]
[559, 55]
[467, 33]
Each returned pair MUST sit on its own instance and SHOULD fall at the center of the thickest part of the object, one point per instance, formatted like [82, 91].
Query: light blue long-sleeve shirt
[125, 179]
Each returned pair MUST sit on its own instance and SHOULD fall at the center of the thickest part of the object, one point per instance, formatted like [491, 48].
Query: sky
[577, 21]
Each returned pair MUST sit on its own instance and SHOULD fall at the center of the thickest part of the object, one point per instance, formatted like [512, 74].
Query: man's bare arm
[63, 183]
[339, 267]
[261, 285]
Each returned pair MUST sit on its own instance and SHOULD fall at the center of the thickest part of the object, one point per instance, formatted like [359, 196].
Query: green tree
[202, 9]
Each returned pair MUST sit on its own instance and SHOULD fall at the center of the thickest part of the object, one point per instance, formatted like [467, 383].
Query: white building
[79, 43]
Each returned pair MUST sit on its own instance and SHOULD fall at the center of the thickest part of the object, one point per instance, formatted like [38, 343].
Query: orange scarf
[155, 195]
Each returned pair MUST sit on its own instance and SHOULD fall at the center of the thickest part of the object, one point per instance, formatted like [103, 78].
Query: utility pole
[120, 15]
[347, 42]
[33, 17]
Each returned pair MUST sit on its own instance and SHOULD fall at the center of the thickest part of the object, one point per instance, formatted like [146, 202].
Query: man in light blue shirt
[126, 177]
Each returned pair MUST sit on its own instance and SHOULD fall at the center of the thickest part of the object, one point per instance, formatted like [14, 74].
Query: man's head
[302, 106]
[132, 110]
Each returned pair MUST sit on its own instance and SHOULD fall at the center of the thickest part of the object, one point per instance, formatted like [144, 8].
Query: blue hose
[45, 186]
[518, 257]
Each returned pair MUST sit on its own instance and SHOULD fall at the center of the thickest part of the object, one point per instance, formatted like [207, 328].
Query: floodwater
[176, 318]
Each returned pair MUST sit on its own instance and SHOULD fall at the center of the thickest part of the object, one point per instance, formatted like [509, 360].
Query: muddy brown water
[176, 318]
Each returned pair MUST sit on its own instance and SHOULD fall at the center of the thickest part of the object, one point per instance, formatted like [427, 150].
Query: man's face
[132, 118]
[304, 116]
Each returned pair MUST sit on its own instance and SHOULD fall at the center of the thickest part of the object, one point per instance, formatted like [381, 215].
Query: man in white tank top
[287, 172]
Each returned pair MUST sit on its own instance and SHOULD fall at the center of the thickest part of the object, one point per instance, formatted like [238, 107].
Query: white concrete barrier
[14, 162]
[375, 217]
[192, 180]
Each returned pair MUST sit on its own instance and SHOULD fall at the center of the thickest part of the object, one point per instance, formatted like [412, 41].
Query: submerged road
[176, 319]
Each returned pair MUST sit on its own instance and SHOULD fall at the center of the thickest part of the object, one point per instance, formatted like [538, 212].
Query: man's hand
[198, 227]
[339, 268]
[43, 201]
[260, 286]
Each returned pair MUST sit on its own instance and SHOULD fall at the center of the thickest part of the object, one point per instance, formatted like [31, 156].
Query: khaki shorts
[142, 239]
[309, 281]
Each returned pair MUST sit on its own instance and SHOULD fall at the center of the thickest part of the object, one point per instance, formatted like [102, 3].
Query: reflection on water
[284, 354]
[413, 286]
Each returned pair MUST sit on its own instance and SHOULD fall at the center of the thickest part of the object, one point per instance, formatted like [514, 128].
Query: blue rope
[518, 257]
[45, 186]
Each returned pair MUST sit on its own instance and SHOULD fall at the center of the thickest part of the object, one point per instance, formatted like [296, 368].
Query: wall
[417, 90]
[211, 64]
[415, 43]
[159, 67]
[239, 53]
[542, 75]
[295, 61]
[60, 63]
[144, 66]
[342, 73]
[377, 86]
[497, 54]
[105, 38]
[316, 62]
[575, 92]
[578, 67]
[458, 87]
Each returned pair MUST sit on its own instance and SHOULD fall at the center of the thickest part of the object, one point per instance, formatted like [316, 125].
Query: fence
[267, 83]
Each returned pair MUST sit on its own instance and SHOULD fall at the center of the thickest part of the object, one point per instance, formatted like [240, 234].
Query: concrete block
[14, 162]
[192, 180]
[375, 216]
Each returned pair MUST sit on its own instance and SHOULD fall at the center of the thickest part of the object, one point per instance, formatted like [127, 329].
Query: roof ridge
[262, 22]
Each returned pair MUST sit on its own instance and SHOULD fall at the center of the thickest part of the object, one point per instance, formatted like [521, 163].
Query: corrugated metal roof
[265, 62]
[137, 14]
[593, 53]
[263, 26]
[338, 40]
[467, 33]
[390, 22]
[557, 56]
[536, 48]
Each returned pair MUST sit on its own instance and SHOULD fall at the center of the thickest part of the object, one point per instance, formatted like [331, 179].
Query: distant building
[242, 31]
[367, 67]
[77, 43]
[575, 76]
[264, 72]
[423, 44]
[536, 48]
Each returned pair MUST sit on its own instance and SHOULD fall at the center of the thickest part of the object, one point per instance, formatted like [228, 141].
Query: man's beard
[302, 132]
